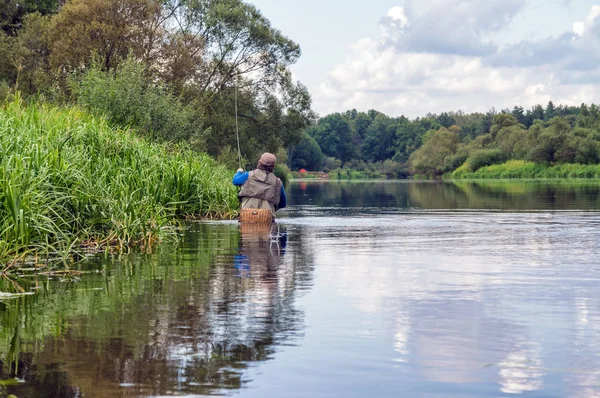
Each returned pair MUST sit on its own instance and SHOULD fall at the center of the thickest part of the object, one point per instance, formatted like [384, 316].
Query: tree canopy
[200, 53]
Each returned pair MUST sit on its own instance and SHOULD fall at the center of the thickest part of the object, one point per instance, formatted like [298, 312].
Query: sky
[413, 57]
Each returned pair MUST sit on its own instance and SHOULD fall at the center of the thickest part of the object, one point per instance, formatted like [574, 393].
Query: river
[365, 289]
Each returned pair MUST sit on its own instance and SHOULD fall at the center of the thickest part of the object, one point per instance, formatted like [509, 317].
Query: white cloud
[441, 57]
[397, 14]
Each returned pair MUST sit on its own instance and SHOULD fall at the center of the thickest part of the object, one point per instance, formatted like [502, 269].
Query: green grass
[523, 169]
[68, 178]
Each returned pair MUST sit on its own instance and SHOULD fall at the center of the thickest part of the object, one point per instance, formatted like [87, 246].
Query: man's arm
[282, 199]
[240, 178]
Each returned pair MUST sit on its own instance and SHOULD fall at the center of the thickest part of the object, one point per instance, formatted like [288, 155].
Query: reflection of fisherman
[259, 255]
[261, 189]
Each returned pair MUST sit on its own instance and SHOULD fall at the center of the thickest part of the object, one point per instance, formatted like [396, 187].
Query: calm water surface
[378, 289]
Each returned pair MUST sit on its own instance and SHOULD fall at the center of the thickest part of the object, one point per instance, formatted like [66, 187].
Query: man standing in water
[261, 189]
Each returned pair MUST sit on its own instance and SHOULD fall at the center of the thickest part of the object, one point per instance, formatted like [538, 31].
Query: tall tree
[13, 12]
[550, 111]
[109, 30]
[430, 158]
[334, 134]
[519, 114]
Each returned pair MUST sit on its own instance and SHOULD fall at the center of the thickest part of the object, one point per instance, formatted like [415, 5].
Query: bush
[392, 169]
[129, 98]
[331, 164]
[283, 172]
[453, 162]
[485, 157]
[307, 154]
[524, 169]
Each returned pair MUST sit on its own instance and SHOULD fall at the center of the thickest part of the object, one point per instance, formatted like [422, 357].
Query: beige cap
[268, 159]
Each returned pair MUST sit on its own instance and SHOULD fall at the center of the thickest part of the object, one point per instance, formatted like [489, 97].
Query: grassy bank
[523, 169]
[68, 179]
[351, 174]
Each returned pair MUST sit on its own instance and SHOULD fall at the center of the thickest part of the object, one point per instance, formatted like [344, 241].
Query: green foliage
[129, 98]
[392, 169]
[4, 91]
[334, 135]
[330, 163]
[67, 177]
[455, 161]
[283, 173]
[307, 154]
[524, 169]
[14, 12]
[485, 157]
[379, 139]
[554, 134]
[169, 69]
[431, 157]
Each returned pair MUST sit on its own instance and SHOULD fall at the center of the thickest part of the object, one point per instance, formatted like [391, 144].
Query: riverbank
[69, 181]
[339, 174]
[523, 169]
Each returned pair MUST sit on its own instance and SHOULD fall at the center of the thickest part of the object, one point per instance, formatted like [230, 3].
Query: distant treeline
[440, 144]
[169, 68]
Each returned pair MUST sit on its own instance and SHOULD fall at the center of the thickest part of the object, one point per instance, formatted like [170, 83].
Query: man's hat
[268, 159]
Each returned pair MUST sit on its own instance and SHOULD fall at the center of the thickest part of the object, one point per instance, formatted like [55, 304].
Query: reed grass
[69, 179]
[524, 169]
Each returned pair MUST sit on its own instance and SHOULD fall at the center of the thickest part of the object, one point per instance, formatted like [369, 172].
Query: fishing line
[237, 129]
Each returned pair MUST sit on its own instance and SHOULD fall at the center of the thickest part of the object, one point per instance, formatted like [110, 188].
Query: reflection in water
[187, 321]
[521, 371]
[372, 299]
[468, 195]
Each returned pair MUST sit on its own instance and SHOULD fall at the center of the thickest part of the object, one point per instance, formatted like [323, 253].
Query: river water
[366, 289]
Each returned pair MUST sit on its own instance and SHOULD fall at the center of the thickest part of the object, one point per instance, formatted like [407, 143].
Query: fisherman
[261, 189]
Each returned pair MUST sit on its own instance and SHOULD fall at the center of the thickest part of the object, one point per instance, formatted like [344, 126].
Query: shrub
[129, 98]
[524, 169]
[283, 172]
[454, 161]
[485, 157]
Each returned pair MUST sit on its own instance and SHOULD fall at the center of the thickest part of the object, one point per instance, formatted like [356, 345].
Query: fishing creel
[256, 216]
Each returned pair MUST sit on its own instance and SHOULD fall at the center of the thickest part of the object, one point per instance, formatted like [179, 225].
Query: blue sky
[412, 57]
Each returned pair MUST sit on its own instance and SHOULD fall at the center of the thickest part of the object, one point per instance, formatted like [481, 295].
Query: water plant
[69, 179]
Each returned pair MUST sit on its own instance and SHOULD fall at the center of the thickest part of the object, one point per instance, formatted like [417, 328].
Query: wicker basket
[255, 231]
[256, 216]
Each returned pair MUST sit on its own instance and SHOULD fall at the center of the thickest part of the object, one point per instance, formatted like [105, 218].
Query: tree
[109, 30]
[408, 139]
[550, 111]
[379, 139]
[334, 134]
[307, 154]
[205, 52]
[445, 120]
[519, 114]
[537, 113]
[237, 42]
[14, 12]
[24, 58]
[429, 160]
[547, 143]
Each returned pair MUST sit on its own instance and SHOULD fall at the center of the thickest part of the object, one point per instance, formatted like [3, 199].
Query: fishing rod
[237, 128]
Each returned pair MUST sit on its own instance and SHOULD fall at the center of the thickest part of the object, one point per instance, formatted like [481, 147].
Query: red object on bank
[302, 171]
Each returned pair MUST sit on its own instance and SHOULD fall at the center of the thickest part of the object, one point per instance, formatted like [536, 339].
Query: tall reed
[67, 178]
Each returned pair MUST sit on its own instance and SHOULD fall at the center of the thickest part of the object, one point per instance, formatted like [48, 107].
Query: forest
[454, 144]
